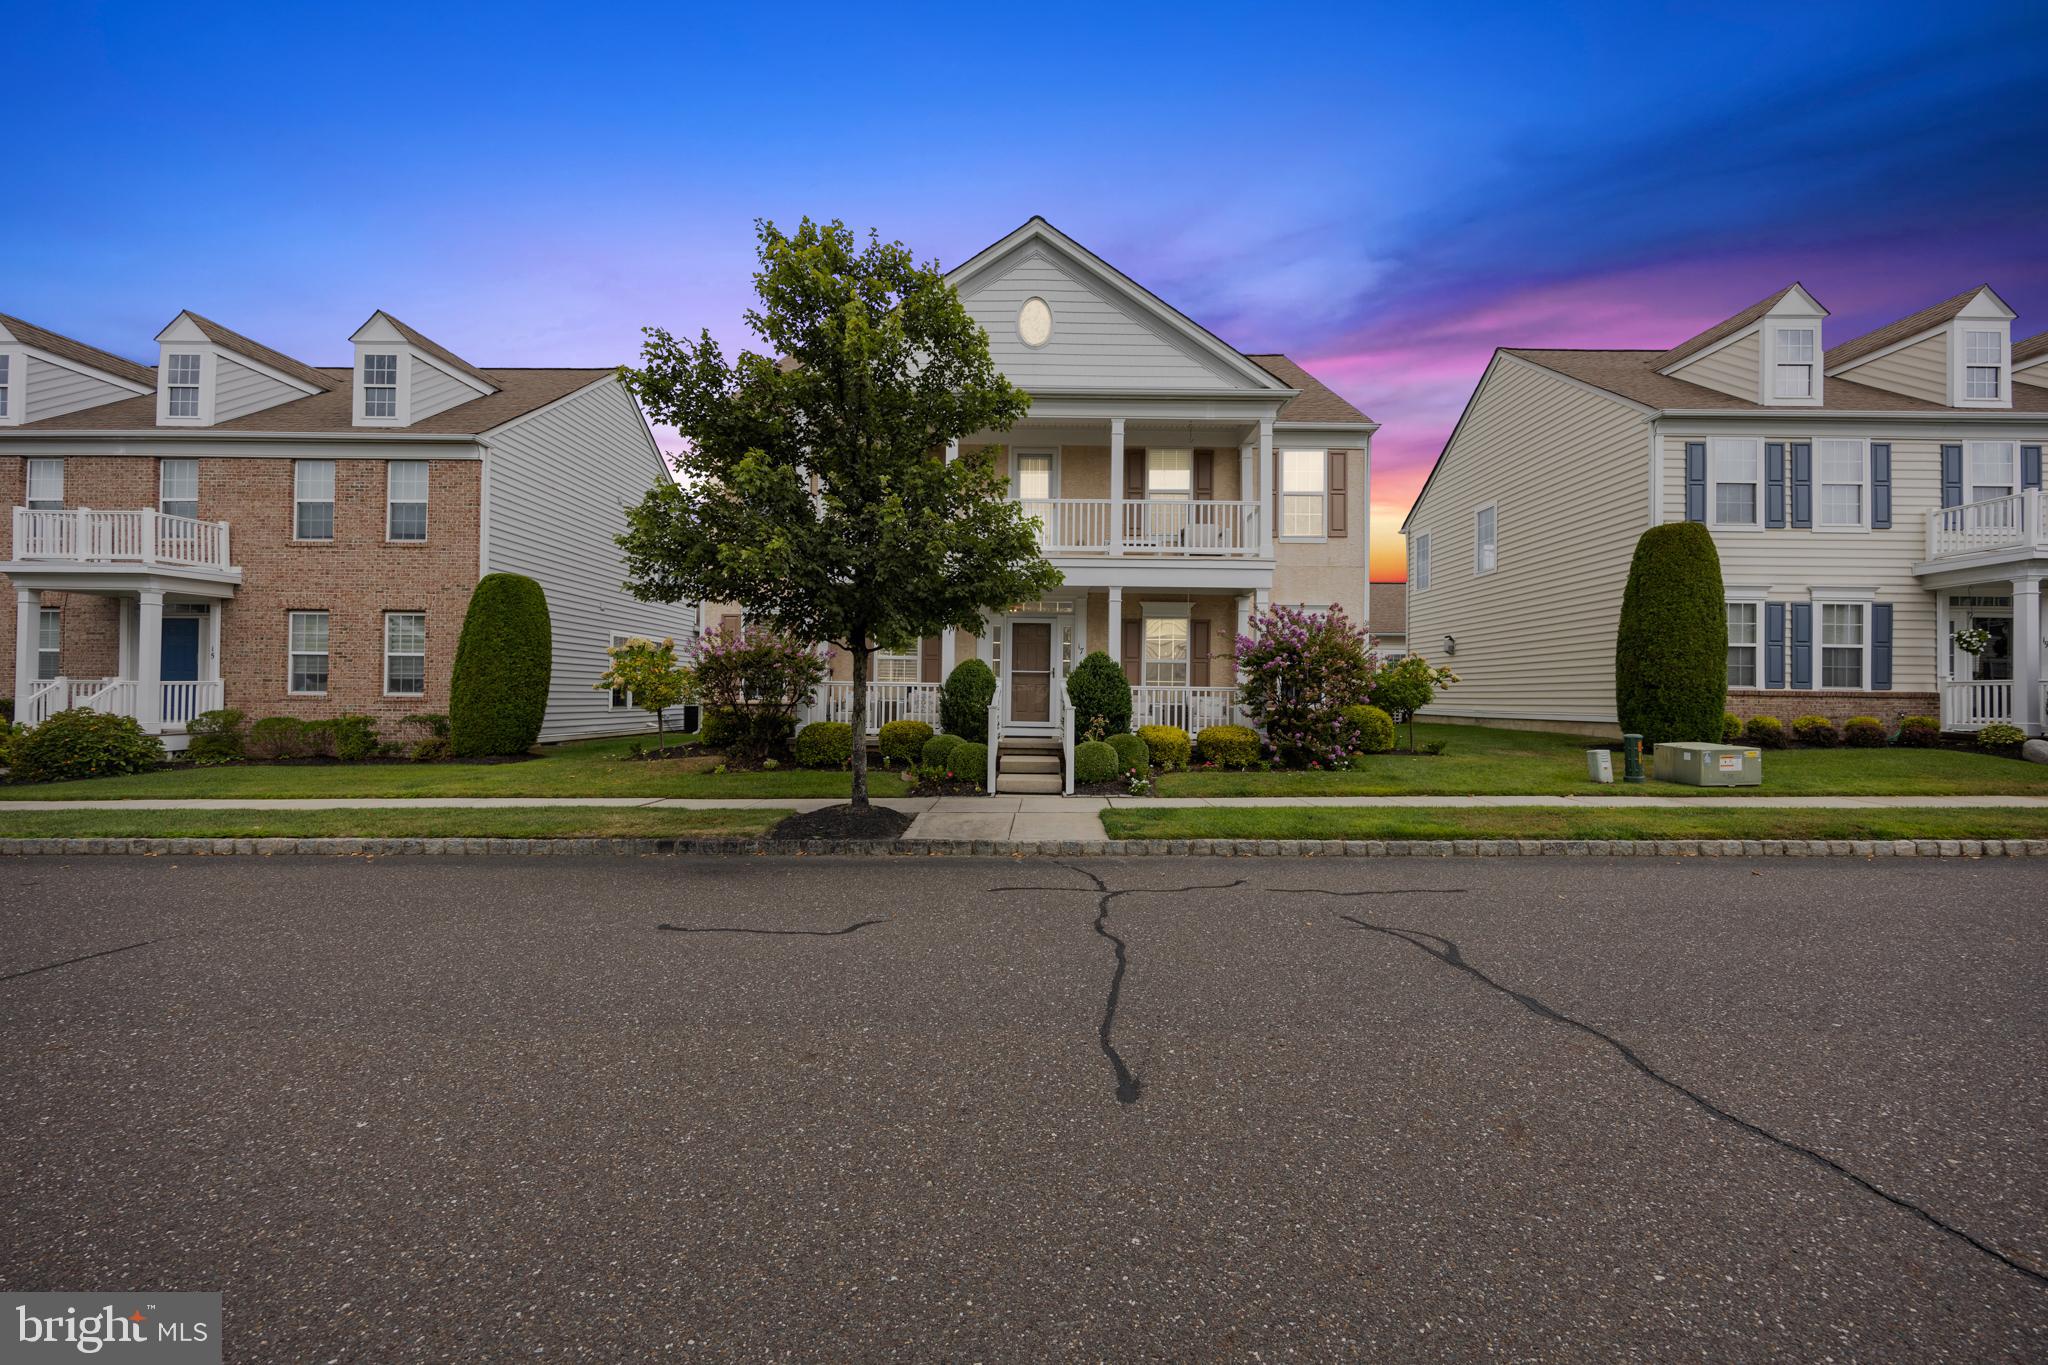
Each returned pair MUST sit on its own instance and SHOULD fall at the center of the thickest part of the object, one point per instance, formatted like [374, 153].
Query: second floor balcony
[1989, 529]
[1191, 528]
[141, 538]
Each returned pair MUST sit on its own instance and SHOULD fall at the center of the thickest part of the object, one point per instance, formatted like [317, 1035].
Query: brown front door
[1030, 671]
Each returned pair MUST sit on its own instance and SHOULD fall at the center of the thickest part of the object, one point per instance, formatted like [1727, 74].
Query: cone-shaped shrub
[499, 694]
[1671, 653]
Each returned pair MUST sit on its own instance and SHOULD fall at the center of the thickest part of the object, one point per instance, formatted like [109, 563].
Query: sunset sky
[1385, 194]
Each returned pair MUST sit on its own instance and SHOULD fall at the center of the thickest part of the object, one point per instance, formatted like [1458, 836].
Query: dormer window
[6, 383]
[183, 378]
[380, 386]
[1983, 358]
[1793, 373]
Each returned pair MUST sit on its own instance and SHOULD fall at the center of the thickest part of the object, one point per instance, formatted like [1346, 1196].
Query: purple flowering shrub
[1296, 672]
[751, 683]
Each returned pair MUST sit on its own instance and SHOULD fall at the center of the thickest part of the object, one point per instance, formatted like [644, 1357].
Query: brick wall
[1837, 706]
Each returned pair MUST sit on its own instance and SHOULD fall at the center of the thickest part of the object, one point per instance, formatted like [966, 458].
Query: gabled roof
[1387, 608]
[430, 346]
[1633, 375]
[1926, 320]
[1728, 327]
[28, 334]
[229, 340]
[2033, 348]
[1316, 402]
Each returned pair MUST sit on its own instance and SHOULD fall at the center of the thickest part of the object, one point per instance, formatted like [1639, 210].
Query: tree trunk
[860, 721]
[661, 730]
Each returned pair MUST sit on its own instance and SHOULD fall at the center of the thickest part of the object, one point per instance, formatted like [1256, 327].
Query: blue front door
[181, 649]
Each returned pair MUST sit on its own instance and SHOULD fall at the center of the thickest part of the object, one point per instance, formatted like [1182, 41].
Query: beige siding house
[1869, 500]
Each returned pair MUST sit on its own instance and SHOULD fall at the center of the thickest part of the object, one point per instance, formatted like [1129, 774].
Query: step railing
[1066, 705]
[1972, 705]
[181, 701]
[995, 734]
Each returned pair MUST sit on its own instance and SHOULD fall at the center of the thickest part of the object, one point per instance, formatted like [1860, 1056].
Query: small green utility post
[1632, 758]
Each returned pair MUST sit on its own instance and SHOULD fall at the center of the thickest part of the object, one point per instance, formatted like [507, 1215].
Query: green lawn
[431, 822]
[1486, 762]
[1279, 822]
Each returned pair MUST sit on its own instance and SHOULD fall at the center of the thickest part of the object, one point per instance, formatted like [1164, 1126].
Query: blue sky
[1385, 193]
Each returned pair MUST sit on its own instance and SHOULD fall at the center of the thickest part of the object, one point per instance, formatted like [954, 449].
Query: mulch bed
[844, 822]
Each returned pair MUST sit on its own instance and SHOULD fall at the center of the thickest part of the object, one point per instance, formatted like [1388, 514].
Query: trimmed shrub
[1229, 746]
[938, 753]
[823, 744]
[1863, 732]
[903, 740]
[1766, 732]
[970, 762]
[433, 722]
[1671, 651]
[1098, 688]
[217, 737]
[499, 693]
[1168, 746]
[1997, 736]
[1094, 760]
[279, 737]
[351, 738]
[1132, 752]
[1371, 729]
[1919, 732]
[963, 701]
[1731, 728]
[1815, 732]
[73, 744]
[720, 729]
[433, 749]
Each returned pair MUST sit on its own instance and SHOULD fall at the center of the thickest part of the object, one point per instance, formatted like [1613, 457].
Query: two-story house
[233, 527]
[1870, 500]
[1178, 485]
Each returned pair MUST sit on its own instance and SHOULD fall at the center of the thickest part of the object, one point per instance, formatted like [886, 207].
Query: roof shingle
[1727, 327]
[1316, 402]
[1633, 375]
[1924, 320]
[229, 340]
[28, 334]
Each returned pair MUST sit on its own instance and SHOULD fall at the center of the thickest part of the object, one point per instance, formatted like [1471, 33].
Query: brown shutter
[1205, 475]
[928, 660]
[1134, 651]
[729, 623]
[1198, 653]
[1134, 473]
[1339, 501]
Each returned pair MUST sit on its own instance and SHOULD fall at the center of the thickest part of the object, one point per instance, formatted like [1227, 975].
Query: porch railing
[1066, 719]
[1191, 708]
[887, 701]
[145, 536]
[2005, 523]
[1068, 525]
[178, 702]
[1148, 526]
[995, 734]
[1974, 705]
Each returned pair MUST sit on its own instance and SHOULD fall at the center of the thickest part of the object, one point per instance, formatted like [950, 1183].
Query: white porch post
[948, 649]
[1114, 645]
[211, 664]
[1247, 479]
[1116, 486]
[952, 450]
[149, 661]
[125, 638]
[28, 630]
[1269, 502]
[1261, 599]
[985, 647]
[2026, 654]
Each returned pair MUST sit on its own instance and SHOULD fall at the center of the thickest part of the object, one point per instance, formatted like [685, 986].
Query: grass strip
[432, 822]
[1905, 822]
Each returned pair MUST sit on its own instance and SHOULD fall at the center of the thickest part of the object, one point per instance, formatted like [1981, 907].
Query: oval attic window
[1034, 322]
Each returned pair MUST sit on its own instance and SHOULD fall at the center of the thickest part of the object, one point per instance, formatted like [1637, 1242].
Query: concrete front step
[1028, 744]
[1029, 784]
[1028, 763]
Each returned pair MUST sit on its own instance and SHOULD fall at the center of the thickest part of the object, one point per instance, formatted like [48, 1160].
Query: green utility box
[1710, 765]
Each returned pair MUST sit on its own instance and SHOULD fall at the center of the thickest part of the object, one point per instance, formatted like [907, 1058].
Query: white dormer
[43, 374]
[207, 375]
[1770, 353]
[1793, 352]
[1980, 354]
[401, 377]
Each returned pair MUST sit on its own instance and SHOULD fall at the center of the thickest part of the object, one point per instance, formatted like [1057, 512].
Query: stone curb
[1069, 848]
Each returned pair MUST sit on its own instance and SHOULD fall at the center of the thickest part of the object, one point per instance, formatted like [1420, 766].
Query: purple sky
[1383, 194]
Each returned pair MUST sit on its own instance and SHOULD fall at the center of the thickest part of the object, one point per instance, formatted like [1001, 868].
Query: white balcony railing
[2012, 522]
[143, 537]
[887, 701]
[1150, 526]
[177, 702]
[1974, 705]
[1070, 525]
[1193, 709]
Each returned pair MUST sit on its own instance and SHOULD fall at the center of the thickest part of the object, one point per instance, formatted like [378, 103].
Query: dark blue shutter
[1774, 483]
[1880, 485]
[1802, 644]
[1695, 480]
[1881, 646]
[1774, 644]
[2030, 466]
[1951, 476]
[1802, 483]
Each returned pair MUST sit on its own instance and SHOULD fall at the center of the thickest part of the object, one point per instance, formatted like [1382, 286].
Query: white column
[210, 666]
[1116, 488]
[125, 636]
[1114, 645]
[1244, 603]
[1262, 599]
[948, 648]
[985, 647]
[2026, 655]
[1269, 504]
[149, 661]
[1941, 645]
[28, 628]
[1247, 480]
[952, 450]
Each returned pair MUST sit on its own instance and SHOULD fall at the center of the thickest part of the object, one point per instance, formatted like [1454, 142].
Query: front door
[1031, 672]
[181, 649]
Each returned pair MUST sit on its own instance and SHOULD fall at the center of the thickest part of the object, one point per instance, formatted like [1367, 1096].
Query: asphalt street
[1556, 1109]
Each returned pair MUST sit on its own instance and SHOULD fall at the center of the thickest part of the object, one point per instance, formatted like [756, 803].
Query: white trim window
[1035, 476]
[380, 385]
[1165, 652]
[1983, 360]
[1486, 539]
[308, 653]
[1304, 494]
[49, 644]
[405, 654]
[1992, 469]
[1418, 562]
[1844, 645]
[45, 485]
[621, 698]
[312, 499]
[1737, 475]
[177, 488]
[1745, 644]
[1792, 375]
[896, 666]
[182, 377]
[6, 382]
[405, 500]
[1843, 474]
[1170, 475]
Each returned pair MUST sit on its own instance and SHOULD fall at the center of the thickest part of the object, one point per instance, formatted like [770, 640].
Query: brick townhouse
[233, 527]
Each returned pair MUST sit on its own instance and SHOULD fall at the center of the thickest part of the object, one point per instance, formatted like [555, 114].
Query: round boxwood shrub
[963, 701]
[1094, 761]
[1731, 728]
[1671, 651]
[216, 737]
[824, 744]
[1131, 753]
[903, 740]
[1099, 689]
[1863, 732]
[938, 753]
[970, 762]
[499, 693]
[1919, 732]
[1766, 732]
[1372, 730]
[73, 744]
[1816, 732]
[1229, 746]
[1168, 746]
[1999, 736]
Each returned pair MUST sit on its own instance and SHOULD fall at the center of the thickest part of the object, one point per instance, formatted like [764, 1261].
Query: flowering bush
[750, 682]
[1406, 686]
[1297, 671]
[647, 672]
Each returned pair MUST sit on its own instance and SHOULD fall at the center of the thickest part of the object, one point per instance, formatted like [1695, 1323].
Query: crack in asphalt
[53, 966]
[795, 933]
[1449, 954]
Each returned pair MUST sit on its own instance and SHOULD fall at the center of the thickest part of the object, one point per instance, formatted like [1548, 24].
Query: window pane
[1841, 624]
[1981, 348]
[1303, 471]
[1795, 345]
[380, 402]
[1034, 477]
[1742, 623]
[408, 521]
[1841, 461]
[1841, 668]
[1741, 665]
[1735, 503]
[896, 668]
[315, 521]
[1735, 461]
[184, 369]
[1794, 381]
[46, 483]
[380, 369]
[1841, 504]
[309, 631]
[1301, 514]
[1169, 473]
[314, 480]
[405, 633]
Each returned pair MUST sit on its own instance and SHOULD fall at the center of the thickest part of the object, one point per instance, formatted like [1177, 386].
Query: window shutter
[1198, 653]
[1134, 652]
[1774, 484]
[1335, 521]
[729, 623]
[1881, 486]
[1774, 644]
[1134, 473]
[1802, 644]
[1695, 480]
[1881, 646]
[1951, 476]
[1205, 476]
[2030, 466]
[1802, 483]
[928, 660]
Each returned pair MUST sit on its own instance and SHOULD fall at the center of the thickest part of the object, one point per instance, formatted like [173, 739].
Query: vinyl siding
[1569, 471]
[239, 390]
[1918, 371]
[559, 484]
[54, 390]
[435, 390]
[1735, 369]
